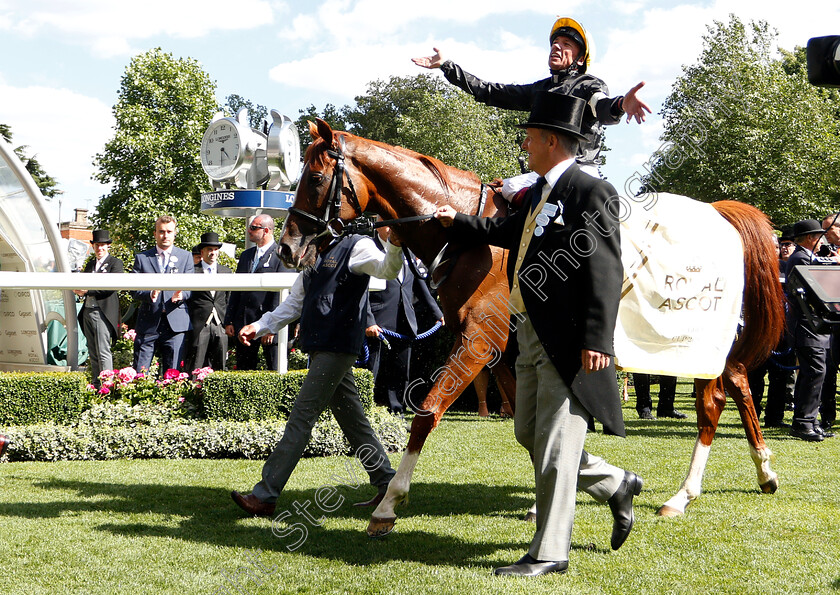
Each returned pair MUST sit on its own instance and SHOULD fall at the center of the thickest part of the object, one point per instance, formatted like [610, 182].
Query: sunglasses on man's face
[255, 227]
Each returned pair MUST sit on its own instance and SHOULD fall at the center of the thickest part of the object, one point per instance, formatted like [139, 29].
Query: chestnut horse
[345, 175]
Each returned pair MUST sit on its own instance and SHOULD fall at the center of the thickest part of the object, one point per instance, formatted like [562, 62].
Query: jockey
[569, 57]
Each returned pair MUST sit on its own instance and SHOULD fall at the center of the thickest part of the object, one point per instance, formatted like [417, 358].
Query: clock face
[221, 149]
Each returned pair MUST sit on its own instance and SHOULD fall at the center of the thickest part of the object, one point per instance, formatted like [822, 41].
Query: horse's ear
[313, 130]
[324, 131]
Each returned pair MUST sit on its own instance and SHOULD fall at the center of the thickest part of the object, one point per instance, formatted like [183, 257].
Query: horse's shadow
[208, 515]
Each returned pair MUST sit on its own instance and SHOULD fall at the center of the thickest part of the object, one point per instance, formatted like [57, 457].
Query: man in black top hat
[812, 347]
[99, 318]
[207, 311]
[564, 249]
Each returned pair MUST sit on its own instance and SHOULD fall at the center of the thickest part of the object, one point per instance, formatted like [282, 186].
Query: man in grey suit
[162, 318]
[564, 249]
[99, 318]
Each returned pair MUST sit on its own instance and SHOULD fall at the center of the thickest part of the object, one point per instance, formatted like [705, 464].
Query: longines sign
[245, 203]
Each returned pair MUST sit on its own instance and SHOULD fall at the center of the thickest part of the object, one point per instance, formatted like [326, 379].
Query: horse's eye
[316, 178]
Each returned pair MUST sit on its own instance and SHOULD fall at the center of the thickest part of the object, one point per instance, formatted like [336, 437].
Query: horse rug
[683, 285]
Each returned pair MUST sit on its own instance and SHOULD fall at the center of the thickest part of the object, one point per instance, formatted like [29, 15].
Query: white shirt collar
[558, 170]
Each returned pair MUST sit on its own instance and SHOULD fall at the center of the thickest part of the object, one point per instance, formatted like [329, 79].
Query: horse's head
[324, 194]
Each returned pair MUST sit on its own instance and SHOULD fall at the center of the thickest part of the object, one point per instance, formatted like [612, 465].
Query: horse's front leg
[709, 405]
[737, 385]
[450, 381]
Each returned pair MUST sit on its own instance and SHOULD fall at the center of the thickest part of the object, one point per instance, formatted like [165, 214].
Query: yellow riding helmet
[573, 30]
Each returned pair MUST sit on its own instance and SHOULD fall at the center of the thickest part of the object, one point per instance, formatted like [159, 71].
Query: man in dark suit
[565, 274]
[207, 311]
[393, 309]
[162, 317]
[99, 318]
[812, 347]
[246, 306]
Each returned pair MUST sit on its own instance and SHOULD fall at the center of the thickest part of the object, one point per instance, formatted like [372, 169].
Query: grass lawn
[170, 526]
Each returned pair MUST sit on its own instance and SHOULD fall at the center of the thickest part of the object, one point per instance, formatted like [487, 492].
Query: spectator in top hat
[162, 318]
[196, 253]
[99, 318]
[246, 306]
[207, 311]
[811, 346]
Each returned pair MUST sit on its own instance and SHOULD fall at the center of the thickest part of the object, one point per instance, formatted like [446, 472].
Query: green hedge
[41, 397]
[120, 431]
[244, 396]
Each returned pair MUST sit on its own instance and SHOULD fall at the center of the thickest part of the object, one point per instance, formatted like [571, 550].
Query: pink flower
[183, 376]
[91, 387]
[130, 334]
[126, 375]
[171, 374]
[181, 399]
[202, 373]
[104, 390]
[105, 374]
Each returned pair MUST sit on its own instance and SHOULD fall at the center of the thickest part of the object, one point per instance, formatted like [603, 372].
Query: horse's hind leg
[709, 405]
[736, 384]
[507, 386]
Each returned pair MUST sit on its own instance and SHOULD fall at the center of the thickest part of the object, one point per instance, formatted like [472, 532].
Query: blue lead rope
[394, 335]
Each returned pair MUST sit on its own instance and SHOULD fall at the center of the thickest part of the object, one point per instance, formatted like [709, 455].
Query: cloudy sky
[62, 61]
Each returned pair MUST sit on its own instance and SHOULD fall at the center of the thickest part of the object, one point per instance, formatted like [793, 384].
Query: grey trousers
[329, 383]
[551, 424]
[98, 336]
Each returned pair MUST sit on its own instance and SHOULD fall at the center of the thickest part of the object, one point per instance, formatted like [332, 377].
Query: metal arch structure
[30, 243]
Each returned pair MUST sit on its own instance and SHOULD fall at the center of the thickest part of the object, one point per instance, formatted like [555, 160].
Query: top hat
[211, 238]
[557, 112]
[808, 226]
[787, 234]
[101, 236]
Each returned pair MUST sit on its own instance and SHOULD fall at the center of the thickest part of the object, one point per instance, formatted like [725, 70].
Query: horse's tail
[764, 315]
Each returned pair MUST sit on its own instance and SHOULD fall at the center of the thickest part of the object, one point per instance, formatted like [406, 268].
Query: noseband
[330, 224]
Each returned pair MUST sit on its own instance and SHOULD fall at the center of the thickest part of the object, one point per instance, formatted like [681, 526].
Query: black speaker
[823, 55]
[815, 292]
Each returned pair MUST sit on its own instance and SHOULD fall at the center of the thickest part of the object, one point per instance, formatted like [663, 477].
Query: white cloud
[108, 26]
[64, 146]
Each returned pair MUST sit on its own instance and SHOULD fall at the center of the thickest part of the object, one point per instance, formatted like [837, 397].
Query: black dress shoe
[824, 431]
[646, 414]
[529, 566]
[673, 413]
[621, 505]
[807, 434]
[4, 442]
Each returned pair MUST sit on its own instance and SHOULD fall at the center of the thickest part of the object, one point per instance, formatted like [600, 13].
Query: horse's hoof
[530, 517]
[666, 510]
[770, 487]
[381, 526]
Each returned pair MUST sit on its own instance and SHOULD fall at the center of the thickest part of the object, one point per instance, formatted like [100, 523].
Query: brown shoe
[253, 505]
[4, 442]
[373, 501]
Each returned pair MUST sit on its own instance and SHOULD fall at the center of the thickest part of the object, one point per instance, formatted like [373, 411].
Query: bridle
[331, 224]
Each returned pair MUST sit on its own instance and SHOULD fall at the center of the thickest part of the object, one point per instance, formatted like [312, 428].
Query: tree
[256, 112]
[451, 126]
[46, 183]
[335, 117]
[743, 124]
[152, 162]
